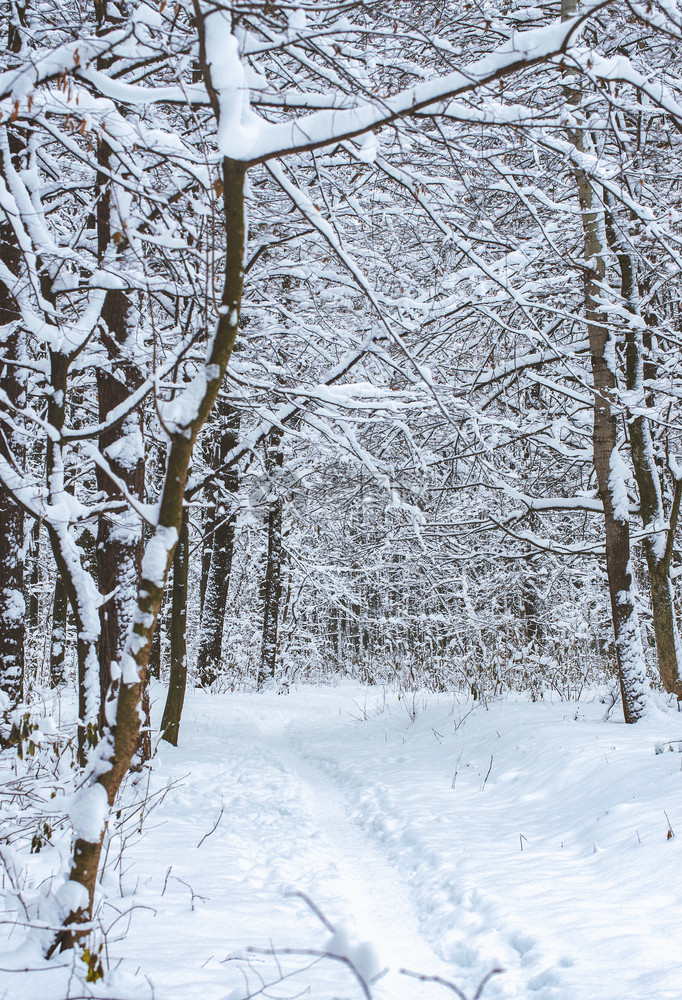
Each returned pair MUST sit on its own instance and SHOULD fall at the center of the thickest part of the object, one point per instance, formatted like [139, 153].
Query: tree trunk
[656, 548]
[119, 537]
[12, 608]
[154, 667]
[12, 604]
[273, 567]
[119, 549]
[208, 526]
[611, 483]
[177, 684]
[608, 464]
[69, 559]
[156, 657]
[60, 609]
[221, 546]
[12, 448]
[117, 750]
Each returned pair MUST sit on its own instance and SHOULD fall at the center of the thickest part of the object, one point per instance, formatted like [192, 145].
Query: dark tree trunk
[12, 448]
[656, 547]
[60, 608]
[221, 548]
[70, 559]
[155, 655]
[209, 525]
[119, 539]
[606, 458]
[629, 652]
[530, 607]
[273, 567]
[12, 601]
[12, 609]
[119, 543]
[177, 684]
[87, 852]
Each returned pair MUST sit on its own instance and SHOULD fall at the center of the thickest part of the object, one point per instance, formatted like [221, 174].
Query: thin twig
[422, 978]
[315, 909]
[484, 982]
[313, 953]
[490, 767]
[215, 827]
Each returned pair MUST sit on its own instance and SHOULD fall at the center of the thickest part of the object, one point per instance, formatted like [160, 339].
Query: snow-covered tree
[146, 136]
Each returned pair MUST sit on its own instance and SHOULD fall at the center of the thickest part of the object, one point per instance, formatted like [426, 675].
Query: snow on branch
[251, 140]
[17, 84]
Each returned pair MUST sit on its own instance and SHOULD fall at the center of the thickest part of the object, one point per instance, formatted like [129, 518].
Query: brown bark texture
[219, 544]
[118, 749]
[12, 610]
[272, 583]
[629, 652]
[177, 682]
[648, 477]
[119, 535]
[60, 607]
[606, 460]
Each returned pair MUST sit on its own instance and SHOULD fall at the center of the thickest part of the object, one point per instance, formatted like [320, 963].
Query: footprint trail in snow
[291, 795]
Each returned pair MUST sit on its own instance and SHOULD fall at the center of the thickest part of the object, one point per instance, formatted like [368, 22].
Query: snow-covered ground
[450, 838]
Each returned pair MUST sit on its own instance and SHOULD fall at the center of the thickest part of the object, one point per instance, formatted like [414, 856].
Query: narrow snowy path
[526, 837]
[397, 813]
[373, 893]
[285, 828]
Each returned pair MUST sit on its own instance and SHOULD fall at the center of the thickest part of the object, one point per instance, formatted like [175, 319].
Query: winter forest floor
[452, 837]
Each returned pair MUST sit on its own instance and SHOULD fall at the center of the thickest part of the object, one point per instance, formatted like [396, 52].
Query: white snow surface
[434, 834]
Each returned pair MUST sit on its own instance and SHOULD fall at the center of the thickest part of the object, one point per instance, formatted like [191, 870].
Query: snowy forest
[340, 476]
